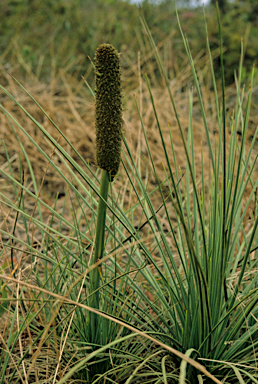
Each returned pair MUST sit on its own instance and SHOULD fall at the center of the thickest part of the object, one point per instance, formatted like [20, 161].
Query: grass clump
[177, 298]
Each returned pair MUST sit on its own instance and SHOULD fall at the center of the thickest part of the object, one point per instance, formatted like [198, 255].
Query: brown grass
[69, 104]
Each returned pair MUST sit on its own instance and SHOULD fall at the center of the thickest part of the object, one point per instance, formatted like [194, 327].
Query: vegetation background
[48, 46]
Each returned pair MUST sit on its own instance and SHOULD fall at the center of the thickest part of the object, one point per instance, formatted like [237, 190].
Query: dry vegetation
[69, 104]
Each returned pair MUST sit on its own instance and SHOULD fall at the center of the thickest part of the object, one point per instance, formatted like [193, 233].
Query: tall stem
[95, 274]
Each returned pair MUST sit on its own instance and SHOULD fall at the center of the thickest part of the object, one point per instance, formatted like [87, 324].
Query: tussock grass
[179, 268]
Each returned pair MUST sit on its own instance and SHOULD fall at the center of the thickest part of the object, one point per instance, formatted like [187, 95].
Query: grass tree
[108, 116]
[109, 302]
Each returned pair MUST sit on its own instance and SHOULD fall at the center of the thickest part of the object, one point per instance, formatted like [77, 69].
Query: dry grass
[69, 104]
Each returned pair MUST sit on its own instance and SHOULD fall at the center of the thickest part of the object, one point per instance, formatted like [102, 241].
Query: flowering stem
[95, 274]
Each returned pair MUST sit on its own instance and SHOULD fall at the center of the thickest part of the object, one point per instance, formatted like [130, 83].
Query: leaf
[3, 303]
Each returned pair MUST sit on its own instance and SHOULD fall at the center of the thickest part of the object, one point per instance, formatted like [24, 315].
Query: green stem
[95, 274]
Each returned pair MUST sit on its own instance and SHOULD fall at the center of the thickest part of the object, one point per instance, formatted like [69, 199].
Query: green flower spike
[108, 114]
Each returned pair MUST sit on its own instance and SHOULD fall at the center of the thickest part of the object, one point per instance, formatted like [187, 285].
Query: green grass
[177, 303]
[38, 36]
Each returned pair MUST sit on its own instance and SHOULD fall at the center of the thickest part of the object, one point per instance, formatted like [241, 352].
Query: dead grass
[69, 104]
